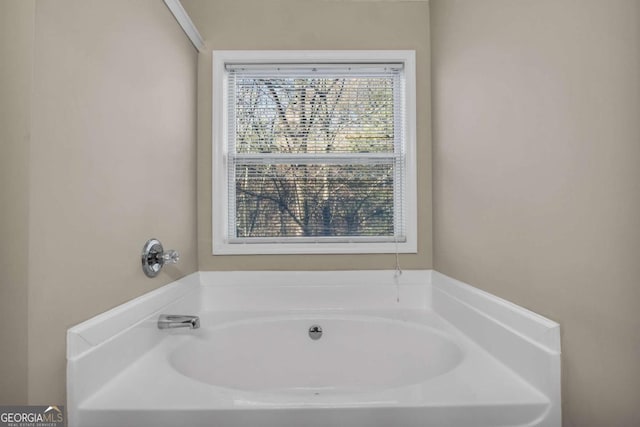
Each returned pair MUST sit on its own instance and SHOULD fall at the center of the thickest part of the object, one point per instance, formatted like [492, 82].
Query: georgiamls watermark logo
[32, 416]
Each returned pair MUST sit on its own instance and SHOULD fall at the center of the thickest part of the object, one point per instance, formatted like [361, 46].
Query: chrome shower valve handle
[154, 257]
[170, 257]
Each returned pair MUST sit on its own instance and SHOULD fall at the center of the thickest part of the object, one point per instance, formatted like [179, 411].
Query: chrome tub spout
[171, 321]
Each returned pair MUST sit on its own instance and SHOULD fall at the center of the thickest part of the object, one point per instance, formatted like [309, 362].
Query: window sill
[225, 248]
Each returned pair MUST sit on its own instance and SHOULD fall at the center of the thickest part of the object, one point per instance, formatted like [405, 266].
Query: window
[314, 152]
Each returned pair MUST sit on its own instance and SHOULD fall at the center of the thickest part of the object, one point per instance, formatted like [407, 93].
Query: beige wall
[537, 178]
[306, 24]
[112, 164]
[16, 65]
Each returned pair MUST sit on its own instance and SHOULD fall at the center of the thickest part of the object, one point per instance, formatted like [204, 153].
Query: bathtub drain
[315, 332]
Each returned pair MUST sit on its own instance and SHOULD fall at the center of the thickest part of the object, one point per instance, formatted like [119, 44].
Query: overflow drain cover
[315, 332]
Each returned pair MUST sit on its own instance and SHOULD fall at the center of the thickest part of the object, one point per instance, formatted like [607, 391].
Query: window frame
[219, 176]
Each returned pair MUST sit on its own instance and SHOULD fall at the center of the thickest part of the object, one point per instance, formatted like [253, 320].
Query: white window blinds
[315, 153]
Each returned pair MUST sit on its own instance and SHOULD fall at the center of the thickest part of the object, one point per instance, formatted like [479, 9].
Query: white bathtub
[378, 363]
[275, 355]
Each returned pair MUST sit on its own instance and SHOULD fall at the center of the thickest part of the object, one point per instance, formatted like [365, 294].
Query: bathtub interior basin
[354, 354]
